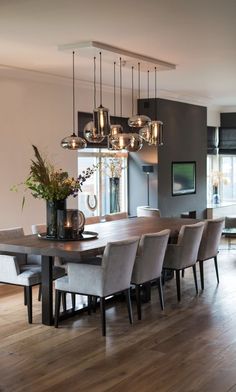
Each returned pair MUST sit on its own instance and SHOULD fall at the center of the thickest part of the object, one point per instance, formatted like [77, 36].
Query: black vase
[52, 208]
[114, 194]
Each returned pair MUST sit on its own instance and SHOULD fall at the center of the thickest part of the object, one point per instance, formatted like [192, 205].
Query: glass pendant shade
[101, 121]
[139, 121]
[73, 142]
[136, 143]
[91, 134]
[116, 129]
[127, 141]
[145, 133]
[156, 133]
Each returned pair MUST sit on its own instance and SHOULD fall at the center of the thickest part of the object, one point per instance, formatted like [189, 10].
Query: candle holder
[70, 224]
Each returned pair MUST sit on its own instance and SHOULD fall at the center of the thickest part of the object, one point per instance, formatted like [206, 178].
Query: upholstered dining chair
[116, 216]
[148, 263]
[15, 269]
[184, 254]
[111, 277]
[92, 219]
[148, 211]
[209, 245]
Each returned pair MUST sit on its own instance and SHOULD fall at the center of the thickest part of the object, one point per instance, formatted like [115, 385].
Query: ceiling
[196, 35]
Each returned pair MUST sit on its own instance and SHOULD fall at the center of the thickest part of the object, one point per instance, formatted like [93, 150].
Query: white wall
[35, 109]
[213, 117]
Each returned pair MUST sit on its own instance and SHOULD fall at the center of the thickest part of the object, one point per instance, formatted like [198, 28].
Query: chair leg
[94, 303]
[64, 301]
[90, 301]
[128, 301]
[103, 315]
[138, 301]
[25, 296]
[28, 290]
[159, 285]
[182, 273]
[73, 300]
[57, 307]
[201, 274]
[177, 274]
[40, 293]
[195, 277]
[216, 268]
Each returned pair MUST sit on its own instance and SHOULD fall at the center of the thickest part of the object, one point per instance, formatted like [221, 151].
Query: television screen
[183, 178]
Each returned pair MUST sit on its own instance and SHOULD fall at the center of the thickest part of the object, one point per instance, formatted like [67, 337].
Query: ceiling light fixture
[156, 127]
[145, 132]
[116, 128]
[139, 120]
[73, 142]
[101, 116]
[131, 142]
[91, 134]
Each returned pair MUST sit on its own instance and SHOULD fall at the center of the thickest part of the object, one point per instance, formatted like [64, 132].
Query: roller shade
[227, 140]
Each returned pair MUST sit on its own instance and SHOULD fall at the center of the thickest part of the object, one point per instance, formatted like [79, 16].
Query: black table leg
[47, 296]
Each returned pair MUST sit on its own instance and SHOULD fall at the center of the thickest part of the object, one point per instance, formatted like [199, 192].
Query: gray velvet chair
[209, 245]
[16, 269]
[111, 277]
[116, 216]
[148, 211]
[92, 219]
[148, 263]
[184, 254]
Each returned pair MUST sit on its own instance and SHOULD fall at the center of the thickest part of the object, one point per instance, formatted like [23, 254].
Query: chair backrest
[92, 219]
[148, 211]
[116, 216]
[150, 257]
[39, 228]
[230, 221]
[189, 240]
[13, 232]
[210, 239]
[117, 265]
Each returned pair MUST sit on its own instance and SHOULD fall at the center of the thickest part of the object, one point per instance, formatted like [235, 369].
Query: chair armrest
[9, 268]
[86, 277]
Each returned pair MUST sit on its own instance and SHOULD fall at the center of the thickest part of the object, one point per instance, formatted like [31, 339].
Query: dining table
[48, 249]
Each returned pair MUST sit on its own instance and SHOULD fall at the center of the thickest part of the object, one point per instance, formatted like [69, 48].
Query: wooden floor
[189, 347]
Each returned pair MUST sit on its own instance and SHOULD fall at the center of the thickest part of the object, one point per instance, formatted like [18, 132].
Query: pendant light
[145, 132]
[101, 117]
[139, 120]
[91, 134]
[116, 129]
[156, 127]
[73, 142]
[131, 142]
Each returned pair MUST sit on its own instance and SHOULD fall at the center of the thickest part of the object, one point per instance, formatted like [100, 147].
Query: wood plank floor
[189, 347]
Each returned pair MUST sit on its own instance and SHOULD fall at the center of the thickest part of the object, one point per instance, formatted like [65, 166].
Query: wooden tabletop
[107, 232]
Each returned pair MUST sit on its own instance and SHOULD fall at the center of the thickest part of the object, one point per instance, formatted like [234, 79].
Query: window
[106, 191]
[221, 176]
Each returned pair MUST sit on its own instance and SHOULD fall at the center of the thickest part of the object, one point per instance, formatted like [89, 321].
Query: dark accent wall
[185, 139]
